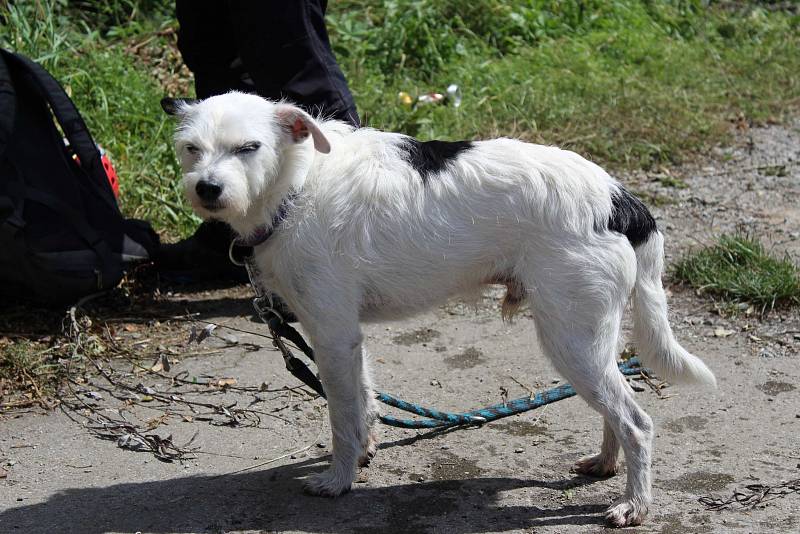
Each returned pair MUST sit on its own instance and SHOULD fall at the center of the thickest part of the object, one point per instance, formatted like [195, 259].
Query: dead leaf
[741, 122]
[127, 396]
[230, 339]
[192, 335]
[132, 442]
[130, 328]
[155, 422]
[722, 332]
[3, 473]
[161, 364]
[206, 332]
[223, 382]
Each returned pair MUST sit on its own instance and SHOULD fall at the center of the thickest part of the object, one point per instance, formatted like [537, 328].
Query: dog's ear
[176, 106]
[299, 125]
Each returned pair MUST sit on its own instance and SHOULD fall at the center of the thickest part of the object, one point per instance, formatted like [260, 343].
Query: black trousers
[276, 49]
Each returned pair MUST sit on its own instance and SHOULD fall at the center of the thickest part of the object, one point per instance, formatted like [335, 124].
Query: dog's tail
[656, 344]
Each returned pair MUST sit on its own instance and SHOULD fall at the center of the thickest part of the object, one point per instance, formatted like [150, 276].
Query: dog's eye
[191, 149]
[247, 147]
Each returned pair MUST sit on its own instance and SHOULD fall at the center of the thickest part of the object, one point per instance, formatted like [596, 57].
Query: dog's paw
[327, 484]
[598, 466]
[627, 513]
[369, 450]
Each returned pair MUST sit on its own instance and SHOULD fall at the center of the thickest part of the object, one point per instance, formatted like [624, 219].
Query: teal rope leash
[431, 418]
[438, 419]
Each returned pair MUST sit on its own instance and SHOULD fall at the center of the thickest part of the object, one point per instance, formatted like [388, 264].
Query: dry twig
[753, 495]
[656, 387]
[273, 460]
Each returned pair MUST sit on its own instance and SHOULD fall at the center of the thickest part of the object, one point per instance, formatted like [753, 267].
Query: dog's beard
[233, 204]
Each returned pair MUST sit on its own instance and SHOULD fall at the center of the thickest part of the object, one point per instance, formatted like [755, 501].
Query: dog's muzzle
[209, 191]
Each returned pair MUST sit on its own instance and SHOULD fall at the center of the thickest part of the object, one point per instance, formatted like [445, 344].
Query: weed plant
[738, 268]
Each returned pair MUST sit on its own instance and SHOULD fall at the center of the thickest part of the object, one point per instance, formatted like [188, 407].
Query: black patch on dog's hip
[629, 216]
[431, 157]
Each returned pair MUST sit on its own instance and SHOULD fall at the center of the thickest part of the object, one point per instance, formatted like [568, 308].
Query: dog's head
[232, 146]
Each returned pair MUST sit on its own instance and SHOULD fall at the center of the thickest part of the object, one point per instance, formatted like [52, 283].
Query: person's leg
[274, 49]
[208, 46]
[293, 59]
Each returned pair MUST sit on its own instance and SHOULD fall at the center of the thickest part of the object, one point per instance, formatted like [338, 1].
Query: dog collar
[242, 248]
[262, 233]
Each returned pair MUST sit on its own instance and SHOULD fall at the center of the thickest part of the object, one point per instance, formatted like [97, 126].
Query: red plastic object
[111, 172]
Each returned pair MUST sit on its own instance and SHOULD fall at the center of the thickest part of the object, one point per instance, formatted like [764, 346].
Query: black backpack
[62, 236]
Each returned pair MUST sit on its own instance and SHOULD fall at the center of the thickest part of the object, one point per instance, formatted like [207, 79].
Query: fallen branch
[753, 495]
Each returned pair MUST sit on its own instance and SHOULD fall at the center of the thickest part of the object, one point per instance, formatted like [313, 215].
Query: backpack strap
[10, 215]
[70, 121]
[8, 105]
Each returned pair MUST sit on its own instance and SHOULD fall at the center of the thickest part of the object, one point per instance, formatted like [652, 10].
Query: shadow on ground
[272, 499]
[27, 320]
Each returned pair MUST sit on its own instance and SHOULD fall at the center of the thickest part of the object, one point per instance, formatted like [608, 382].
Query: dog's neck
[262, 233]
[296, 163]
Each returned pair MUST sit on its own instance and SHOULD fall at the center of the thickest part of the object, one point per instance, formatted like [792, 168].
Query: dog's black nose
[208, 190]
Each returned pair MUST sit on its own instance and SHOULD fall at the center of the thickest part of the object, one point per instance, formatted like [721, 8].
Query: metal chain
[263, 303]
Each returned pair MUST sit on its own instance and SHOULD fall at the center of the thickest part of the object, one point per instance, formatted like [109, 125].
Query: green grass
[22, 360]
[28, 375]
[627, 83]
[739, 269]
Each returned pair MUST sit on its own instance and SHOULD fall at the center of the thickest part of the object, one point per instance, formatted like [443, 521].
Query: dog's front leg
[351, 407]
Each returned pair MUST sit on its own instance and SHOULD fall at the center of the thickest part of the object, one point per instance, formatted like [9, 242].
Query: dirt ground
[509, 476]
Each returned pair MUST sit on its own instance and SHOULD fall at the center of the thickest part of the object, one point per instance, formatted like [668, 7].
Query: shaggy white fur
[367, 239]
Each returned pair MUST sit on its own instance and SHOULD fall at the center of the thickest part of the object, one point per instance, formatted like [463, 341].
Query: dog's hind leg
[603, 464]
[578, 310]
[574, 351]
[370, 448]
[634, 429]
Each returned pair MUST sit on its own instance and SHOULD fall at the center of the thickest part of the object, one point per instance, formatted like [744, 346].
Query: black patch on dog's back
[629, 216]
[430, 157]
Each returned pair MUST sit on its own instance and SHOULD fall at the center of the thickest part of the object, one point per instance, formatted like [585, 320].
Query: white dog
[378, 225]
